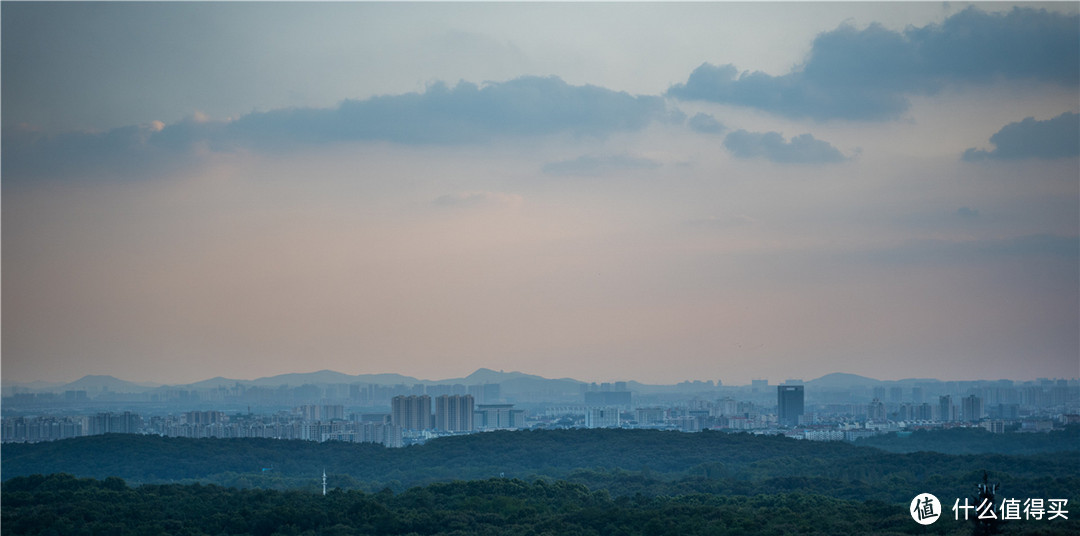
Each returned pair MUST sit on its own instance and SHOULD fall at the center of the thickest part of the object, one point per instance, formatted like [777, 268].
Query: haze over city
[644, 192]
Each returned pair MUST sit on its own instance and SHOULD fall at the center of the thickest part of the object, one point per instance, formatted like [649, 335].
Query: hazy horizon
[772, 381]
[650, 192]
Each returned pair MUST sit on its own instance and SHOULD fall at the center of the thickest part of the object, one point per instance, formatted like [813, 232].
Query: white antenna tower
[324, 482]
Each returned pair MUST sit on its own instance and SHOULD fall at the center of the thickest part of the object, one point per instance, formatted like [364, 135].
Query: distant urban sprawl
[327, 406]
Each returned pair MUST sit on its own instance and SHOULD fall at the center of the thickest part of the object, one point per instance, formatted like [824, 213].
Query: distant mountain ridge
[842, 379]
[517, 381]
[98, 383]
[486, 375]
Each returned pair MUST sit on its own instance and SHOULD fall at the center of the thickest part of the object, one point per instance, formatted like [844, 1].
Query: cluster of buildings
[49, 428]
[833, 421]
[419, 413]
[351, 394]
[411, 420]
[453, 414]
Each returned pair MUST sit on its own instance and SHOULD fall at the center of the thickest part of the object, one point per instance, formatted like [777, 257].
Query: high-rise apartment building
[875, 411]
[946, 409]
[602, 417]
[487, 393]
[411, 412]
[654, 415]
[114, 423]
[789, 404]
[205, 417]
[454, 413]
[973, 408]
[923, 412]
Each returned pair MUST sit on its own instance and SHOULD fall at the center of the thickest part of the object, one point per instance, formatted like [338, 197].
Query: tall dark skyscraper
[973, 408]
[947, 412]
[789, 404]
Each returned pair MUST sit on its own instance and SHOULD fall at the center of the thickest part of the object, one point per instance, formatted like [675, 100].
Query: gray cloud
[598, 165]
[706, 124]
[460, 114]
[465, 113]
[802, 149]
[868, 74]
[1053, 138]
[122, 152]
[1051, 246]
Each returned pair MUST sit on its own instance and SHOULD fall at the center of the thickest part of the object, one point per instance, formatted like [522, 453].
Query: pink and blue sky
[651, 192]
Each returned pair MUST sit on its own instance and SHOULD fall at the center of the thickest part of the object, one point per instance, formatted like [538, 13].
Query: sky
[650, 192]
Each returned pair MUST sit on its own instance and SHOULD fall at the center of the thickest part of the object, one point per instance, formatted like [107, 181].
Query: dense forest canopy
[62, 504]
[624, 462]
[975, 441]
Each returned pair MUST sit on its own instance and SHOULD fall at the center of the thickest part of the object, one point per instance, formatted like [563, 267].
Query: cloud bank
[802, 149]
[1053, 138]
[868, 74]
[465, 113]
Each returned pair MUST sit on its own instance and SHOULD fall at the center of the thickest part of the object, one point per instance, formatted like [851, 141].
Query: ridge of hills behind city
[96, 383]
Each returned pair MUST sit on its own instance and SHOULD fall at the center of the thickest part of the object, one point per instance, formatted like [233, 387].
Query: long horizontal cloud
[465, 113]
[802, 149]
[1053, 138]
[1065, 248]
[121, 151]
[868, 74]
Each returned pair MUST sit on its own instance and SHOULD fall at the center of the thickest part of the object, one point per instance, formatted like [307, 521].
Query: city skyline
[647, 192]
[396, 413]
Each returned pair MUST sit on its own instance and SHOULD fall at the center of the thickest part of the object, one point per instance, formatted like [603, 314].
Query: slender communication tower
[324, 482]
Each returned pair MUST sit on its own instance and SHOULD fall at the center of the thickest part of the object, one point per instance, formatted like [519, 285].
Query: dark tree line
[61, 504]
[624, 462]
